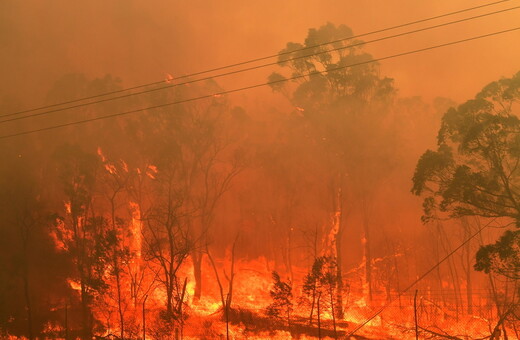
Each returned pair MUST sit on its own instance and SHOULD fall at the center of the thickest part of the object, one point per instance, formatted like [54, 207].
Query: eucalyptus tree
[337, 91]
[475, 170]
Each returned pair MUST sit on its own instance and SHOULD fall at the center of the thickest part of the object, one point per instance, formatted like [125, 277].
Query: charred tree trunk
[79, 238]
[312, 304]
[197, 273]
[397, 277]
[28, 305]
[331, 293]
[288, 254]
[415, 315]
[227, 299]
[120, 304]
[117, 267]
[25, 278]
[319, 317]
[86, 322]
[452, 268]
[368, 253]
[340, 216]
[144, 317]
[467, 266]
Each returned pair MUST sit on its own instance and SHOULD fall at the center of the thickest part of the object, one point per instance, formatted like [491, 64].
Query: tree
[281, 293]
[80, 232]
[474, 171]
[502, 257]
[22, 219]
[344, 109]
[196, 145]
[114, 182]
[167, 243]
[320, 288]
[227, 298]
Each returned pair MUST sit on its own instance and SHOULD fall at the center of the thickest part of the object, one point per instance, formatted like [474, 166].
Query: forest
[331, 206]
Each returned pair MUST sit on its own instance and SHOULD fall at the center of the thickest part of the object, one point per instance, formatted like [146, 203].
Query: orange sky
[141, 40]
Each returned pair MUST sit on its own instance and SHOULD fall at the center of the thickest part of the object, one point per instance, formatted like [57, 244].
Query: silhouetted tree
[474, 171]
[342, 106]
[320, 287]
[281, 293]
[84, 235]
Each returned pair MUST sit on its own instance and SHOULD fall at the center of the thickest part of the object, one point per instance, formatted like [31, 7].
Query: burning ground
[195, 213]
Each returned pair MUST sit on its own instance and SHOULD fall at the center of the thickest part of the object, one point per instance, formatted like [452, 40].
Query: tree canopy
[475, 169]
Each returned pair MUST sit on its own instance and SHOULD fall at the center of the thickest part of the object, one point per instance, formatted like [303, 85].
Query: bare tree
[226, 298]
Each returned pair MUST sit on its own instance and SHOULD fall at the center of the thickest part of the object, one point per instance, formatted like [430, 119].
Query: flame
[74, 284]
[60, 234]
[68, 208]
[151, 171]
[100, 154]
[110, 168]
[124, 165]
[251, 293]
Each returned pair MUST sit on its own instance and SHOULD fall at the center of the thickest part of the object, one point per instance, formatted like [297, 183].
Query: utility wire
[360, 43]
[380, 310]
[249, 61]
[218, 94]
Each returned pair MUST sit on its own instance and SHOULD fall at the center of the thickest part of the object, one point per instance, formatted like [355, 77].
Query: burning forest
[157, 188]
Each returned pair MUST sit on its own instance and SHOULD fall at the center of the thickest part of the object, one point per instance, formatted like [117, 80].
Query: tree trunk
[26, 288]
[319, 317]
[144, 317]
[197, 273]
[28, 304]
[415, 315]
[468, 267]
[368, 253]
[331, 291]
[312, 304]
[120, 306]
[85, 313]
[117, 269]
[339, 256]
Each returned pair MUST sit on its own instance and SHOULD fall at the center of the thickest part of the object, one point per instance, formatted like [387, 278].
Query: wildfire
[151, 171]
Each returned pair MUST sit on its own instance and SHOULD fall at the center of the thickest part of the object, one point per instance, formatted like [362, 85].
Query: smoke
[140, 41]
[280, 202]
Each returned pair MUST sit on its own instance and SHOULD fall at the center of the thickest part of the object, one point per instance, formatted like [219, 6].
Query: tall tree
[474, 171]
[197, 145]
[84, 235]
[342, 106]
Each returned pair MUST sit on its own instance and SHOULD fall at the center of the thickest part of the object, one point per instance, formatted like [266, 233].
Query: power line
[248, 61]
[257, 85]
[257, 67]
[380, 310]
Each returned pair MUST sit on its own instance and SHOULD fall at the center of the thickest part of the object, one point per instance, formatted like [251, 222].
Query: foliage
[502, 257]
[474, 171]
[475, 168]
[322, 274]
[281, 293]
[342, 105]
[320, 281]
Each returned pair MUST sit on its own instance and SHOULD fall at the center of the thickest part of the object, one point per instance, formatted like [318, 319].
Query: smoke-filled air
[260, 170]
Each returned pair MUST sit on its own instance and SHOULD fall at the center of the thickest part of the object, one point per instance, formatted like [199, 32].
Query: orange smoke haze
[140, 41]
[182, 216]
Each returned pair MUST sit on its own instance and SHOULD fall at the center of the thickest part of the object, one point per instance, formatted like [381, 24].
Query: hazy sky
[140, 41]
